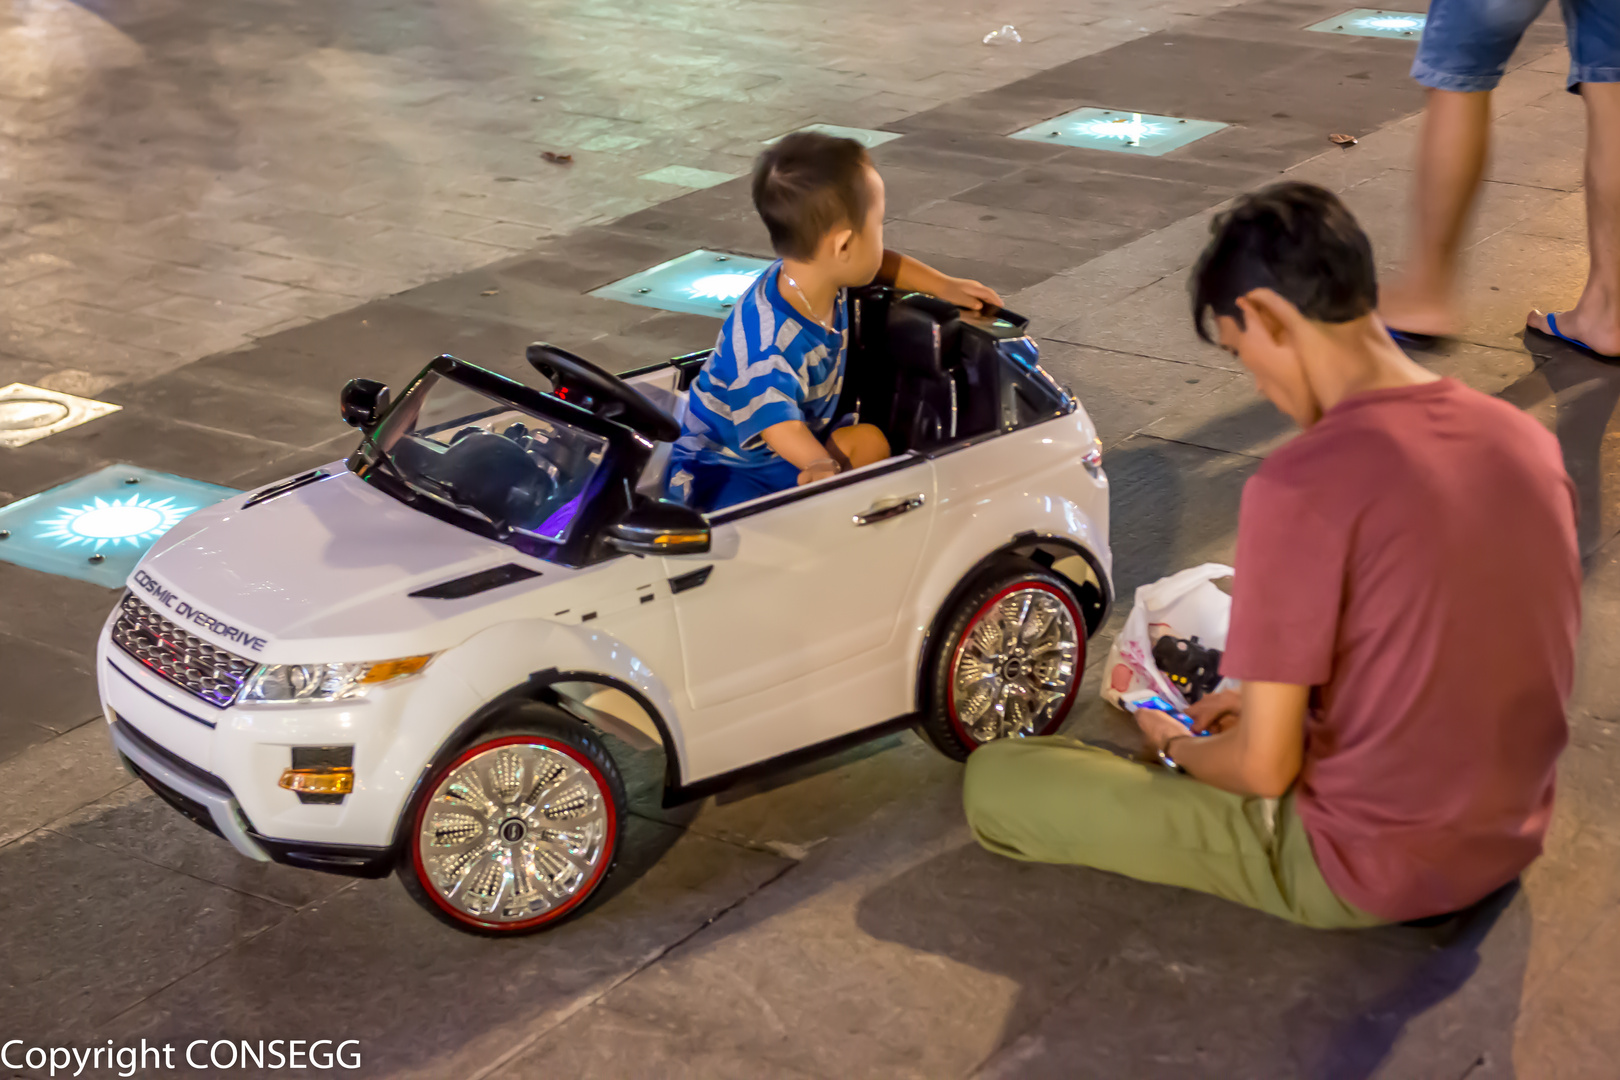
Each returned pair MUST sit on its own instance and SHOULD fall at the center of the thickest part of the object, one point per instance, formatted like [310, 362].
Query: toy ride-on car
[406, 661]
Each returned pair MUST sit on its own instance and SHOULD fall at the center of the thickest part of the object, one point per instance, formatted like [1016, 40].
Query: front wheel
[1008, 663]
[518, 830]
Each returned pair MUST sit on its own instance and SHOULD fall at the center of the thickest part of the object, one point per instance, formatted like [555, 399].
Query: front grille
[186, 660]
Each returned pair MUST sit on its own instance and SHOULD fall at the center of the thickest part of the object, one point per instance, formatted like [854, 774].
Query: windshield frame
[605, 500]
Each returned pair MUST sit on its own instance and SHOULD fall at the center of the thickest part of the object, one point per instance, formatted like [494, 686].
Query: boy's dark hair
[1299, 241]
[808, 184]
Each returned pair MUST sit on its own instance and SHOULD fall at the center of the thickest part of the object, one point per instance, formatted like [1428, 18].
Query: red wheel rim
[1062, 710]
[580, 894]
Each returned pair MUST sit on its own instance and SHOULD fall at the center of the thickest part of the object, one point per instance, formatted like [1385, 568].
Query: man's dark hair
[808, 184]
[1296, 239]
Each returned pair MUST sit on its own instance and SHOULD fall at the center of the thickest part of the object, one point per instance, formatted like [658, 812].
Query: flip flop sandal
[1552, 333]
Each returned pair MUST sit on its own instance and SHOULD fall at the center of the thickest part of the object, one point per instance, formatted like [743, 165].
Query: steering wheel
[581, 382]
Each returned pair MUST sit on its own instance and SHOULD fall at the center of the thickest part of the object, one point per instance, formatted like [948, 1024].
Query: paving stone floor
[307, 222]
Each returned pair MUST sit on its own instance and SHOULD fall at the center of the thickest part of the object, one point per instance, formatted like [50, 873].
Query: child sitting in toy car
[760, 414]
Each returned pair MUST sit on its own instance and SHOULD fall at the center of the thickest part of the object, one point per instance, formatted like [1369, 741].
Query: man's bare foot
[1603, 340]
[1417, 310]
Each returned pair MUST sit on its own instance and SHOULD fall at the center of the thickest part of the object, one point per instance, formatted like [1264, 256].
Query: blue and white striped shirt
[770, 365]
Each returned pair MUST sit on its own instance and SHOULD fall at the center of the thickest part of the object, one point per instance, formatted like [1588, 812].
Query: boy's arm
[792, 441]
[910, 275]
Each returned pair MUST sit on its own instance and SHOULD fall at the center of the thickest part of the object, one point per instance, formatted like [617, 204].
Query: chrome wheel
[1016, 667]
[517, 832]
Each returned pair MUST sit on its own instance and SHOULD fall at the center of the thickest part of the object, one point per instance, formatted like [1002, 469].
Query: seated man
[1404, 617]
[760, 415]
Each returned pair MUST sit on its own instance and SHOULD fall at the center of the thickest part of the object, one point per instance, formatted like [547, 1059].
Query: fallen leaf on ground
[1342, 140]
[557, 159]
[490, 292]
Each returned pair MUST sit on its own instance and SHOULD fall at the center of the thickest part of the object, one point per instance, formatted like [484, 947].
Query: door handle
[884, 509]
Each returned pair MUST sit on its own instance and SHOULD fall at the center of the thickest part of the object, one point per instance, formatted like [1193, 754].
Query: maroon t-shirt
[1413, 557]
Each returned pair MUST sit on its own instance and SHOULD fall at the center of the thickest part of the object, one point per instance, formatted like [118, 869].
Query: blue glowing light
[98, 527]
[1119, 132]
[1391, 22]
[136, 520]
[722, 287]
[1372, 22]
[698, 283]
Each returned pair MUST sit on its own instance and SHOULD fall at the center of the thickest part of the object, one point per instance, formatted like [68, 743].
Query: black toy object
[1194, 669]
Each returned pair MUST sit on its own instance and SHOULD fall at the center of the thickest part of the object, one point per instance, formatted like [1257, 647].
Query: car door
[805, 585]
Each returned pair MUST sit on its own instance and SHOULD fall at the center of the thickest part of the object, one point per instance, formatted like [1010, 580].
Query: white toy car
[406, 660]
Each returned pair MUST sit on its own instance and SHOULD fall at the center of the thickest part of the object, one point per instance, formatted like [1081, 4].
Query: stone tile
[1131, 201]
[1093, 237]
[1232, 417]
[932, 242]
[77, 919]
[55, 778]
[1173, 506]
[462, 1002]
[389, 340]
[134, 822]
[1153, 321]
[157, 442]
[294, 417]
[60, 694]
[61, 613]
[1125, 393]
[1564, 1032]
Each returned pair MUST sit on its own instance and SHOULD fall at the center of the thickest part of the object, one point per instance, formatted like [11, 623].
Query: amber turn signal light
[331, 780]
[395, 669]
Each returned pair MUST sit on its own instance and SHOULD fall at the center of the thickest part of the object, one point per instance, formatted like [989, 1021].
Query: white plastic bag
[1185, 605]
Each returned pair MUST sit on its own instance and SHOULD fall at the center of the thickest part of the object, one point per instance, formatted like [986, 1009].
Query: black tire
[948, 724]
[550, 749]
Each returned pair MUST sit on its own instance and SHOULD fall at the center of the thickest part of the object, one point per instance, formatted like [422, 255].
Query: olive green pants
[1057, 800]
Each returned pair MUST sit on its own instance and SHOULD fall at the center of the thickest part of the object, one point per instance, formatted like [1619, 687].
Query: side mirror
[362, 402]
[660, 527]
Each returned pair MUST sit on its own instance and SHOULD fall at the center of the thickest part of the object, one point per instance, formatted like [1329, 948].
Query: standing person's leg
[1058, 800]
[1464, 51]
[1594, 46]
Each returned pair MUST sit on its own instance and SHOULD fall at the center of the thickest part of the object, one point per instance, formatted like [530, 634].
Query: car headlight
[287, 683]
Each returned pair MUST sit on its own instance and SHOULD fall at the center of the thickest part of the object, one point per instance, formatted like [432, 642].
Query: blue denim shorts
[1466, 43]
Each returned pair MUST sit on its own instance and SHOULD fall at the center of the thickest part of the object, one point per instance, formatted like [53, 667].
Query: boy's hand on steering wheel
[969, 294]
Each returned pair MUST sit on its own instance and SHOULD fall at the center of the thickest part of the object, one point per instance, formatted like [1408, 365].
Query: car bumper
[222, 767]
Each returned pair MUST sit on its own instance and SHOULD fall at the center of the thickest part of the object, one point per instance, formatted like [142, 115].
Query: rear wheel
[518, 830]
[1009, 661]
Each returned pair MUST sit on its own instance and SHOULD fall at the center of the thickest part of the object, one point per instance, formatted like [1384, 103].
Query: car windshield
[489, 457]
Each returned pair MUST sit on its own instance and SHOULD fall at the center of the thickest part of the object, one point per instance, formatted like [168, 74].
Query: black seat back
[924, 338]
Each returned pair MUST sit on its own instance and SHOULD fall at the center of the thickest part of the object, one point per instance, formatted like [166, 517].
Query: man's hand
[1216, 712]
[1158, 728]
[967, 293]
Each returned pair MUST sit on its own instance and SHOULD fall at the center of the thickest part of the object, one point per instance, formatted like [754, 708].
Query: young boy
[760, 413]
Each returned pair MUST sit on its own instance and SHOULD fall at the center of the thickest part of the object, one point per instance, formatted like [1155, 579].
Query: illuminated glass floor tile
[28, 413]
[1119, 132]
[1369, 22]
[865, 136]
[698, 283]
[97, 528]
[687, 177]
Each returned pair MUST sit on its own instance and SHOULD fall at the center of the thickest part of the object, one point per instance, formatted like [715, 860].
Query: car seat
[924, 339]
[661, 390]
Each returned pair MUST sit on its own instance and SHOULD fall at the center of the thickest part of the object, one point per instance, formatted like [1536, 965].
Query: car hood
[334, 560]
